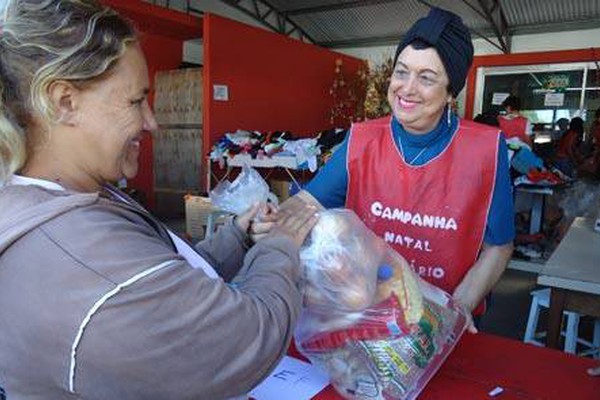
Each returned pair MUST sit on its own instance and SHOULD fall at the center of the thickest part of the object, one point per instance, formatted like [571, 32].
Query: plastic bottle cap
[385, 272]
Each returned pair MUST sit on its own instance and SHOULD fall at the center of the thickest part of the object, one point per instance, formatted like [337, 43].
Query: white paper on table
[194, 259]
[292, 379]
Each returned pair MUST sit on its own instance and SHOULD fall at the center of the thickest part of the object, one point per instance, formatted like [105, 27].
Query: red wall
[275, 82]
[546, 57]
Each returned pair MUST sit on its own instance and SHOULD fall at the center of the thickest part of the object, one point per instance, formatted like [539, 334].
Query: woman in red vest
[434, 186]
[568, 155]
[513, 124]
[590, 166]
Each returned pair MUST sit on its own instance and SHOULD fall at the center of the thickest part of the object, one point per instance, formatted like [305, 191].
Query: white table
[538, 196]
[288, 163]
[573, 274]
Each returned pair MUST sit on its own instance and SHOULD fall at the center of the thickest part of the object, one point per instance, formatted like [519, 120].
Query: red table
[481, 362]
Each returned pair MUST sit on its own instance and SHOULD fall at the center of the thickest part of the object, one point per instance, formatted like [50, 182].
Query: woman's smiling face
[114, 118]
[418, 91]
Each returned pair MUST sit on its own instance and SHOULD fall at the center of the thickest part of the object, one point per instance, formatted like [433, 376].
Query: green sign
[556, 82]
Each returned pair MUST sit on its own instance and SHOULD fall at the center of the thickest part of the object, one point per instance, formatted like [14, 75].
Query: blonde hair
[42, 41]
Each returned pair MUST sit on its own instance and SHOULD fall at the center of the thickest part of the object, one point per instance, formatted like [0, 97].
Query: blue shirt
[330, 184]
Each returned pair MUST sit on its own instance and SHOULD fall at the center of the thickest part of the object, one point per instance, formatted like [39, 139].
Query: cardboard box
[197, 211]
[281, 189]
[199, 214]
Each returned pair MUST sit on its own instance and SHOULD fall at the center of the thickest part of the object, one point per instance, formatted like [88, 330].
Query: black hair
[513, 102]
[420, 44]
[576, 125]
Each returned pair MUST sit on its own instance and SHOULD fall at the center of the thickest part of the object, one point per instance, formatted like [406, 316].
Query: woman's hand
[296, 223]
[264, 222]
[259, 220]
[471, 328]
[594, 371]
[244, 221]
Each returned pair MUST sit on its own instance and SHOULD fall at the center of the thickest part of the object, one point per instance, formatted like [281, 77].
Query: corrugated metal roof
[377, 22]
[359, 22]
[522, 13]
[348, 23]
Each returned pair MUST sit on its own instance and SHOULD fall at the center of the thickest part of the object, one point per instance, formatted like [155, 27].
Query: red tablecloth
[481, 362]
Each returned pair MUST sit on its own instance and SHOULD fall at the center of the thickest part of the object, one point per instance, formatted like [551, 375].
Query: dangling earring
[449, 114]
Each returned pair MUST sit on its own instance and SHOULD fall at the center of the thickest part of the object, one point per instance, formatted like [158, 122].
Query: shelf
[179, 126]
[288, 162]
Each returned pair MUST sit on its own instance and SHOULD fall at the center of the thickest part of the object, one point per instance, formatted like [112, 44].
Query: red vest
[514, 127]
[435, 214]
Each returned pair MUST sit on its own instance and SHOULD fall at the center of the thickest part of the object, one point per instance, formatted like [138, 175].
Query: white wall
[520, 44]
[212, 6]
[193, 49]
[567, 40]
[220, 8]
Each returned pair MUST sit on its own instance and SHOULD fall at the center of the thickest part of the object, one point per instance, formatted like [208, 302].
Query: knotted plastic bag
[368, 320]
[246, 190]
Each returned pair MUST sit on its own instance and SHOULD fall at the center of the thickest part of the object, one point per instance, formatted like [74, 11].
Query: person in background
[590, 166]
[562, 126]
[568, 156]
[399, 174]
[487, 118]
[99, 300]
[512, 123]
[595, 129]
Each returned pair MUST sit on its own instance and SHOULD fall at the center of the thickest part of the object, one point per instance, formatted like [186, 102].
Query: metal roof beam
[333, 7]
[385, 40]
[270, 17]
[490, 41]
[590, 23]
[496, 18]
[188, 8]
[366, 41]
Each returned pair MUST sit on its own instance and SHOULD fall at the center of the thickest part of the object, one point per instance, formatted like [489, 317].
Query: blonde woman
[98, 299]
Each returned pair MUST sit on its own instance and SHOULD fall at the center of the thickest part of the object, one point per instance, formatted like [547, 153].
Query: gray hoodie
[95, 303]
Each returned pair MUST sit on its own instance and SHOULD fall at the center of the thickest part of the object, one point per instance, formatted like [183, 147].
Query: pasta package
[368, 320]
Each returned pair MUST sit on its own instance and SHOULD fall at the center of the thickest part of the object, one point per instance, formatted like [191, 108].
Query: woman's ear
[64, 98]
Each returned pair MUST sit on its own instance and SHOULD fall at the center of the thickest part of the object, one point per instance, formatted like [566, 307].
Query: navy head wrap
[445, 32]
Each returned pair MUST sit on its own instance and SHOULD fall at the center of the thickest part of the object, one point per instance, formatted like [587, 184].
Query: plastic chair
[541, 299]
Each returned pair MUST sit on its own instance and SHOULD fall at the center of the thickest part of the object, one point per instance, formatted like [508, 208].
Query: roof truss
[269, 16]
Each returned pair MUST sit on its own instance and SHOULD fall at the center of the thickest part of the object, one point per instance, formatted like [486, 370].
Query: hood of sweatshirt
[25, 207]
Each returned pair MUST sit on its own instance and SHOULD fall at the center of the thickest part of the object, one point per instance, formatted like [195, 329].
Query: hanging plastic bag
[368, 319]
[238, 196]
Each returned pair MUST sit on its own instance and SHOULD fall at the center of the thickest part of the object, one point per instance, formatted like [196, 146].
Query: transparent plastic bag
[368, 319]
[238, 196]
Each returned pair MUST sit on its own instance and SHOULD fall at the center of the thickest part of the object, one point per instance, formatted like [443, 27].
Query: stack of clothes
[529, 170]
[312, 152]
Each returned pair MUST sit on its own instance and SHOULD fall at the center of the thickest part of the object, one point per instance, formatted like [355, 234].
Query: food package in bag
[378, 330]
